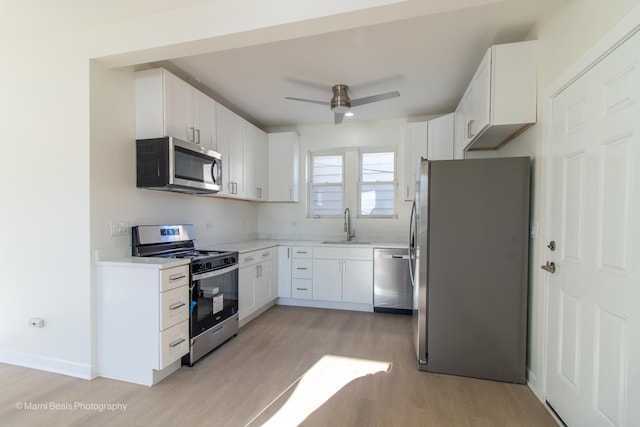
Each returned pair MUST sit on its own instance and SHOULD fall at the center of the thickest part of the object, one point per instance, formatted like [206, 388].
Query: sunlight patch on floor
[325, 378]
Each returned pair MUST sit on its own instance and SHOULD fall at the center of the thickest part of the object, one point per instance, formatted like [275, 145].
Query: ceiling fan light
[349, 114]
[342, 109]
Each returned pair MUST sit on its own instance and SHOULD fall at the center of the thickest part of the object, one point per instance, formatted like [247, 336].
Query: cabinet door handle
[340, 266]
[290, 194]
[177, 342]
[288, 252]
[197, 136]
[301, 289]
[192, 138]
[345, 266]
[175, 277]
[470, 133]
[235, 188]
[407, 194]
[176, 305]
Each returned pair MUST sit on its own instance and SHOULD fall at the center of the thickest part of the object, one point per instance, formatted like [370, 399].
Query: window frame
[394, 182]
[311, 183]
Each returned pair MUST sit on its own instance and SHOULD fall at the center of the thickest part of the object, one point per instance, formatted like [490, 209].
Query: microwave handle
[214, 173]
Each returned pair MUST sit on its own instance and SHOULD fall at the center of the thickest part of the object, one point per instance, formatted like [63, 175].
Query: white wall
[67, 163]
[290, 220]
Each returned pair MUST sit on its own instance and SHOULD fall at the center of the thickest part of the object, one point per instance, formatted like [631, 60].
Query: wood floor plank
[236, 382]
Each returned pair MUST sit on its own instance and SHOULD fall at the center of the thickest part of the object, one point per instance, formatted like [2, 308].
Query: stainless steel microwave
[173, 165]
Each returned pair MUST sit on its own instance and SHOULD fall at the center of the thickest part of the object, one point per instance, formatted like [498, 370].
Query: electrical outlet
[36, 322]
[119, 228]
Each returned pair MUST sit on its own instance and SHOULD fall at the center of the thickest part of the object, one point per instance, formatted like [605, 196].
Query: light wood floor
[232, 385]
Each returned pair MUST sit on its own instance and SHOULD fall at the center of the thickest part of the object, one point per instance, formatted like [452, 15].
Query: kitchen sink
[345, 242]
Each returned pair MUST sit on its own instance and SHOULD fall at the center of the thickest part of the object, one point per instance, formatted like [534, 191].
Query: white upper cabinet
[459, 132]
[168, 106]
[431, 140]
[204, 119]
[283, 166]
[231, 135]
[440, 138]
[256, 163]
[415, 148]
[500, 101]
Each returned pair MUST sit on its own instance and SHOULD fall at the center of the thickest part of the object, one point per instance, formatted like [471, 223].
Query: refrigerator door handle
[412, 243]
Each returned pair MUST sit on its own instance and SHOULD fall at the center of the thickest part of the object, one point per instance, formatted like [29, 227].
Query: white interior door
[593, 347]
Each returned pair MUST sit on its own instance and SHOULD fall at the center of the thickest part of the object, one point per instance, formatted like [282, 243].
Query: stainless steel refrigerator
[469, 246]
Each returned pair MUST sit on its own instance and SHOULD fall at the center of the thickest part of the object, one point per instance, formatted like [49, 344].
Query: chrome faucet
[347, 225]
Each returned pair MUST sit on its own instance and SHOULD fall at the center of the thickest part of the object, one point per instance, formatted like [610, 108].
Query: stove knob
[208, 265]
[196, 268]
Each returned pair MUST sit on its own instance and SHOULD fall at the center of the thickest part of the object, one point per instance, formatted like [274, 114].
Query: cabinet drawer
[254, 257]
[327, 252]
[302, 268]
[174, 307]
[174, 277]
[301, 288]
[265, 255]
[302, 252]
[365, 254]
[249, 258]
[174, 343]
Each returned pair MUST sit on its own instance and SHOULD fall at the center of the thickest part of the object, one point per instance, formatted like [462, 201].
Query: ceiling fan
[341, 103]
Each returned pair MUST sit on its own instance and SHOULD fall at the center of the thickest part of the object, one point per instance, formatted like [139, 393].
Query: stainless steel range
[213, 283]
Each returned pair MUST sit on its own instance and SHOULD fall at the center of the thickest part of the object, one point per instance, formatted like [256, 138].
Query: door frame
[617, 35]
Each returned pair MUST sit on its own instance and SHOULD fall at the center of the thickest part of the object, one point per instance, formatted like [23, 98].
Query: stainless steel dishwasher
[392, 291]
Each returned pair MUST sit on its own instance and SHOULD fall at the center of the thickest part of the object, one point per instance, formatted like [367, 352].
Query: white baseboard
[534, 385]
[50, 364]
[326, 304]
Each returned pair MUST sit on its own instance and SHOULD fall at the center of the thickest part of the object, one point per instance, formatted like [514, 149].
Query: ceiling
[428, 59]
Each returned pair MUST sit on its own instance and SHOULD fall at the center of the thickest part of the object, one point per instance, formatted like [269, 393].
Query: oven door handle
[215, 273]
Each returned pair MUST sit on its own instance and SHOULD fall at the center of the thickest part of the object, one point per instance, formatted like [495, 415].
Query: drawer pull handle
[301, 252]
[250, 258]
[177, 342]
[301, 268]
[176, 277]
[176, 305]
[301, 289]
[266, 254]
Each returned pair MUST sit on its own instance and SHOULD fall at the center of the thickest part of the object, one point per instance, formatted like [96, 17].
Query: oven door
[214, 298]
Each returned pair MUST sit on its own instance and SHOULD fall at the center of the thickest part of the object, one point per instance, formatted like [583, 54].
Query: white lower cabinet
[343, 274]
[284, 271]
[302, 272]
[357, 281]
[142, 319]
[256, 283]
[327, 279]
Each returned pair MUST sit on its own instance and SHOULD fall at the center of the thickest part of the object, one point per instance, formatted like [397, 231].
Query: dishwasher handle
[395, 256]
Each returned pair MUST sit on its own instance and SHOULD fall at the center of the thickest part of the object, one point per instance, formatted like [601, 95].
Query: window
[377, 184]
[327, 189]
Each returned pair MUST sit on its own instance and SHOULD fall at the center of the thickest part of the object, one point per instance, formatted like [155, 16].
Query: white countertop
[255, 245]
[145, 262]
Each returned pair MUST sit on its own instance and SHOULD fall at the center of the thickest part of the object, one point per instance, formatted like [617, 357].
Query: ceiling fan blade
[338, 118]
[374, 98]
[307, 100]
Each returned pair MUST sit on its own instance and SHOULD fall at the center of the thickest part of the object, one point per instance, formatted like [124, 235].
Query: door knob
[549, 266]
